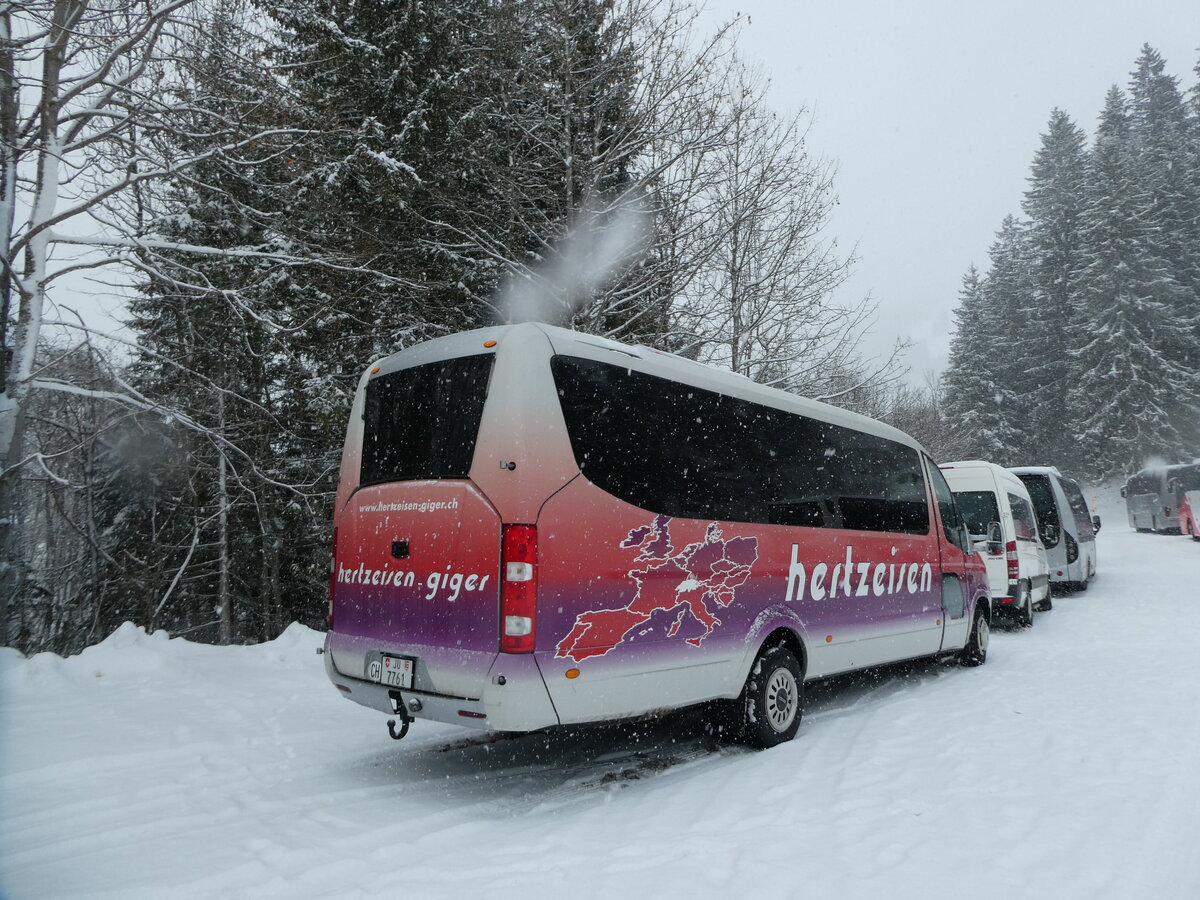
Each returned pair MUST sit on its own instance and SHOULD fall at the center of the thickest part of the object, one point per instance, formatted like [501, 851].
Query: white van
[999, 516]
[1066, 525]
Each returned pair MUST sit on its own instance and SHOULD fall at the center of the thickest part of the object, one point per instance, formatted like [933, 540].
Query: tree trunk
[31, 285]
[224, 600]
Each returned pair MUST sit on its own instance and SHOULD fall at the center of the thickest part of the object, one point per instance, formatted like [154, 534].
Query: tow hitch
[401, 710]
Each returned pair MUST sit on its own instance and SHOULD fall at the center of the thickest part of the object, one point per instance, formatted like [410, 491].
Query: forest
[284, 192]
[1080, 344]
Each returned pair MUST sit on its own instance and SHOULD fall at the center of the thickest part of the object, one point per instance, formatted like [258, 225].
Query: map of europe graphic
[699, 580]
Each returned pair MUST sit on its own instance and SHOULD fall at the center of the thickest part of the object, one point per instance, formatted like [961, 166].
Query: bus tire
[772, 700]
[975, 653]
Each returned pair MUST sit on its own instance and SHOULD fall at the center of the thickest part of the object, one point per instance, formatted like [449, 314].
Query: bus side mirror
[1096, 524]
[1049, 534]
[995, 541]
[1122, 493]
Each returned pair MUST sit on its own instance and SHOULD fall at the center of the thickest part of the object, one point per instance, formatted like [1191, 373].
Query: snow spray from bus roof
[605, 239]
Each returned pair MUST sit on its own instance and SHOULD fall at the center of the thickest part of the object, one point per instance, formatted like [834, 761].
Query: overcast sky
[932, 111]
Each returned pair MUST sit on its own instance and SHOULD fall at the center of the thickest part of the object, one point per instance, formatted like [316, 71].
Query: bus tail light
[1072, 549]
[1010, 553]
[518, 589]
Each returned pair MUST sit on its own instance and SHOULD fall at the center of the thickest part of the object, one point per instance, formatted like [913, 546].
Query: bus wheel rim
[782, 699]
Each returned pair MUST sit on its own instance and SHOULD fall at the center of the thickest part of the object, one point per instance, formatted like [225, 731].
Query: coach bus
[1067, 527]
[537, 527]
[1152, 497]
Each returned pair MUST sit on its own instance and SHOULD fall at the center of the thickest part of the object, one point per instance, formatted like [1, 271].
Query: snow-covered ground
[1064, 768]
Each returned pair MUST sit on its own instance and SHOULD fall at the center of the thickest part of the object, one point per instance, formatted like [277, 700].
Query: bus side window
[1079, 509]
[680, 450]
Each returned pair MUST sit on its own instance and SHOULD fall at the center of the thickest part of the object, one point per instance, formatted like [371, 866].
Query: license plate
[395, 671]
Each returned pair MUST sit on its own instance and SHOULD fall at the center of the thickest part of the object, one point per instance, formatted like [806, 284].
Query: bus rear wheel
[975, 653]
[772, 699]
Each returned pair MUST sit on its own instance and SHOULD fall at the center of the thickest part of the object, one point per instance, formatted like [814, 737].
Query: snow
[1063, 768]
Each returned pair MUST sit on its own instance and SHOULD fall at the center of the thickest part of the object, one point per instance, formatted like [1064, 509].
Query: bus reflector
[518, 590]
[572, 673]
[1010, 552]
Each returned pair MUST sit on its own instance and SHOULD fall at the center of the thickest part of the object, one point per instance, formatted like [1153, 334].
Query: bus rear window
[1041, 492]
[979, 509]
[422, 422]
[1144, 482]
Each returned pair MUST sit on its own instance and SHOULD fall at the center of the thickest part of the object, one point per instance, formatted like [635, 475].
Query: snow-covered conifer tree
[1053, 204]
[1132, 399]
[212, 345]
[1164, 154]
[975, 393]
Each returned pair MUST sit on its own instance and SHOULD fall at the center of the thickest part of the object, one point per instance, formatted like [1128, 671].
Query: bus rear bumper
[514, 698]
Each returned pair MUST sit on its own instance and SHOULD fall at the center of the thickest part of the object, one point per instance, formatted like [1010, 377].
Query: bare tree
[92, 126]
[761, 302]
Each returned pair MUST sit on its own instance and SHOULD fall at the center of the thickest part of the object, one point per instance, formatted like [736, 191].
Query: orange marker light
[489, 343]
[572, 673]
[374, 370]
[829, 638]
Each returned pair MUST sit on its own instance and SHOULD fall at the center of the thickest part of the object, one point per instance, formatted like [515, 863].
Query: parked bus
[990, 497]
[1067, 527]
[1150, 500]
[1183, 484]
[537, 527]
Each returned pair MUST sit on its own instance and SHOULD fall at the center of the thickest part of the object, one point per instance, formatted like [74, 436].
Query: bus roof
[643, 359]
[1036, 470]
[697, 374]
